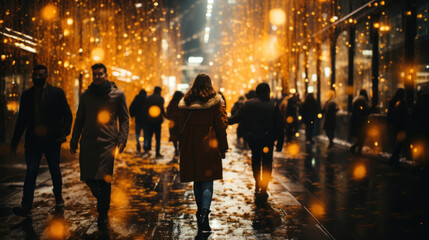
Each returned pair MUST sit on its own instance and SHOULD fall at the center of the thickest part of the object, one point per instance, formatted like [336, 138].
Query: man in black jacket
[154, 109]
[45, 116]
[264, 125]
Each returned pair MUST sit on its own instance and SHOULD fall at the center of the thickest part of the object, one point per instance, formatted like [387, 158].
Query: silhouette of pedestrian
[203, 143]
[420, 129]
[330, 110]
[102, 108]
[292, 110]
[235, 111]
[45, 116]
[137, 111]
[359, 120]
[264, 125]
[399, 119]
[155, 113]
[172, 114]
[309, 111]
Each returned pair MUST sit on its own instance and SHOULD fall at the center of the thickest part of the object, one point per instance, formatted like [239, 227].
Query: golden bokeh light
[359, 172]
[97, 54]
[141, 139]
[49, 12]
[277, 16]
[266, 149]
[293, 149]
[154, 111]
[103, 117]
[289, 119]
[317, 210]
[108, 178]
[319, 115]
[213, 143]
[57, 229]
[297, 134]
[119, 197]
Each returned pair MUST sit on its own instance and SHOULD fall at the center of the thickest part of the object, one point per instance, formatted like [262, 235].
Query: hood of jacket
[202, 105]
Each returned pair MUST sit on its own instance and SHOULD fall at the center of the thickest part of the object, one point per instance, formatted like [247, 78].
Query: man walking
[264, 124]
[137, 111]
[101, 106]
[45, 116]
[154, 109]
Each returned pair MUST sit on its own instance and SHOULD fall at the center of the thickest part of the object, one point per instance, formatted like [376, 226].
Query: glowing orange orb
[49, 12]
[293, 149]
[277, 16]
[265, 149]
[154, 111]
[103, 117]
[359, 172]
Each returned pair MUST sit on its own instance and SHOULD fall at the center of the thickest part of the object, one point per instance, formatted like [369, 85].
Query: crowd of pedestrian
[197, 126]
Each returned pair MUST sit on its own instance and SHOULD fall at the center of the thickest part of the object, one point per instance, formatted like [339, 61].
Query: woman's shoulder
[198, 105]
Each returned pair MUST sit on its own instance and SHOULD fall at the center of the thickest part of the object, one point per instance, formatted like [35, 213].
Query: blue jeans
[203, 192]
[33, 156]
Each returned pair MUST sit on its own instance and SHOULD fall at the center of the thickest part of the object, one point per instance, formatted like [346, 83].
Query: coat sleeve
[67, 114]
[20, 123]
[220, 125]
[78, 124]
[124, 120]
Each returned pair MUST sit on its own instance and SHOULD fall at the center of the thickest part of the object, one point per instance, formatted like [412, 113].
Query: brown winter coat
[204, 140]
[99, 141]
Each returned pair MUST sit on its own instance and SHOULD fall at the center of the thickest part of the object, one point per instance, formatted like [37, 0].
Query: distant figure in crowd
[420, 123]
[137, 112]
[45, 116]
[264, 124]
[173, 115]
[398, 118]
[283, 108]
[235, 111]
[309, 110]
[100, 109]
[292, 111]
[251, 94]
[330, 110]
[155, 113]
[203, 144]
[359, 120]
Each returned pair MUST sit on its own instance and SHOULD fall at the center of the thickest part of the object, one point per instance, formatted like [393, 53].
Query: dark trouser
[151, 129]
[203, 192]
[331, 134]
[262, 159]
[101, 191]
[33, 156]
[139, 128]
[359, 143]
[309, 131]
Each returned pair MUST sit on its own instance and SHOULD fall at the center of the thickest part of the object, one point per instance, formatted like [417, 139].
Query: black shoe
[159, 155]
[22, 211]
[103, 222]
[204, 225]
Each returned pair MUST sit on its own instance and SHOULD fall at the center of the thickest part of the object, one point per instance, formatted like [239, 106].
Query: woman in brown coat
[172, 115]
[203, 122]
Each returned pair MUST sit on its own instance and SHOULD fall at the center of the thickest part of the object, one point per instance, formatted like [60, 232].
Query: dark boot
[204, 225]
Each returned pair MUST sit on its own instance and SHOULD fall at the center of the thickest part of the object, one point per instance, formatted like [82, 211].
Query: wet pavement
[314, 194]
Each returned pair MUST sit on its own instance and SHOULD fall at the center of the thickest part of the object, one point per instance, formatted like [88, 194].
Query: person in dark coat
[330, 110]
[172, 114]
[420, 131]
[399, 119]
[235, 111]
[264, 124]
[45, 116]
[359, 120]
[203, 121]
[292, 111]
[102, 108]
[309, 110]
[137, 112]
[155, 113]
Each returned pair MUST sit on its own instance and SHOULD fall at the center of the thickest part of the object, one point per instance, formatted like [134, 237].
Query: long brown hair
[202, 90]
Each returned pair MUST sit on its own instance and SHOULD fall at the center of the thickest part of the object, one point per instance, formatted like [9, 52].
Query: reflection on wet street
[314, 194]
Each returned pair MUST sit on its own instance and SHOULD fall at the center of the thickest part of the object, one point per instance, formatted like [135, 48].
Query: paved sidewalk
[150, 202]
